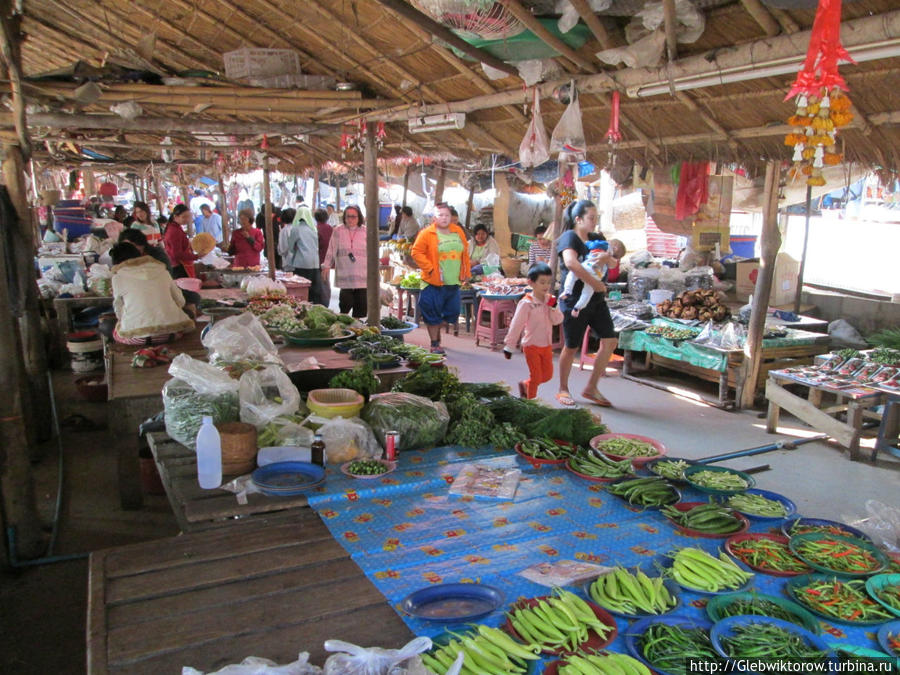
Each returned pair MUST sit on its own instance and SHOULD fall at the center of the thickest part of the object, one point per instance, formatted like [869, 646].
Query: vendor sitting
[146, 300]
[480, 247]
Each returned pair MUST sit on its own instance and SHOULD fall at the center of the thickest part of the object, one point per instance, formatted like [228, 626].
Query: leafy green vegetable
[392, 323]
[360, 379]
[884, 355]
[848, 353]
[420, 422]
[889, 337]
[185, 409]
[575, 425]
[486, 389]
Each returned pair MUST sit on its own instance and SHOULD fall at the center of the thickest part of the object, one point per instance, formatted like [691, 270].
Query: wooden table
[271, 587]
[136, 394]
[820, 416]
[199, 509]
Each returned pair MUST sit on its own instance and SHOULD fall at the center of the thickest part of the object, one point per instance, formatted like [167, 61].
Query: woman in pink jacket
[535, 316]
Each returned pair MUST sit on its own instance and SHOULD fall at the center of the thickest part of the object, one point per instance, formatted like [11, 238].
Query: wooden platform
[196, 508]
[272, 587]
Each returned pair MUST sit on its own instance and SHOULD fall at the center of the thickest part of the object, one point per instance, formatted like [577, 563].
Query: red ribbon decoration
[820, 69]
[612, 134]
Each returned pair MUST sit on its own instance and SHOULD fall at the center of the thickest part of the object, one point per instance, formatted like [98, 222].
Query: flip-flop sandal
[565, 399]
[598, 399]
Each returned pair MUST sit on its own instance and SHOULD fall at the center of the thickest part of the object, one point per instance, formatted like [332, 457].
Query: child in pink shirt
[533, 322]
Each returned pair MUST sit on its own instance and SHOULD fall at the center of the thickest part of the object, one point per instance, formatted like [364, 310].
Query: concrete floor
[42, 620]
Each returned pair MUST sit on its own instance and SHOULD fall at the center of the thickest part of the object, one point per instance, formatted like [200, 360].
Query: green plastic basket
[880, 557]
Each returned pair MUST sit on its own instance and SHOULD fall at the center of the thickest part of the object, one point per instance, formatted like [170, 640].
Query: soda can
[391, 438]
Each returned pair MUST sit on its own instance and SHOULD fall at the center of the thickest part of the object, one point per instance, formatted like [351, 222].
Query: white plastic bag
[534, 149]
[240, 338]
[348, 439]
[266, 394]
[882, 524]
[644, 53]
[568, 136]
[197, 389]
[354, 660]
[843, 334]
[255, 665]
[262, 286]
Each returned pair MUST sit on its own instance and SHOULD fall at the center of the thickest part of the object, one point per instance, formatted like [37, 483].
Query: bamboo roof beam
[90, 49]
[586, 12]
[762, 16]
[180, 45]
[530, 21]
[708, 119]
[396, 67]
[412, 15]
[167, 125]
[87, 26]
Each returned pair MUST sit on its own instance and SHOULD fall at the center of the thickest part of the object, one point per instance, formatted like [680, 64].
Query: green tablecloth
[699, 355]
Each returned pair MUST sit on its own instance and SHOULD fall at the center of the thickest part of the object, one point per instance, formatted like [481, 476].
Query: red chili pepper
[855, 614]
[813, 591]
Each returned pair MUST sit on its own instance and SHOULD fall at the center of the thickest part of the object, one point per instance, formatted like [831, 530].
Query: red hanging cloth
[693, 189]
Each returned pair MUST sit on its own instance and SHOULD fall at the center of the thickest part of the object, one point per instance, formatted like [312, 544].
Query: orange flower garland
[815, 123]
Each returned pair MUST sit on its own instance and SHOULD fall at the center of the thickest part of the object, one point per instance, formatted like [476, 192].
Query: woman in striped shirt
[539, 251]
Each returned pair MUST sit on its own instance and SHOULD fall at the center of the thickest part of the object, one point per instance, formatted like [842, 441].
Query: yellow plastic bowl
[335, 402]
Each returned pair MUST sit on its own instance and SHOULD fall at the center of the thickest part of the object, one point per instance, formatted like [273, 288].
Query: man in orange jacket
[442, 254]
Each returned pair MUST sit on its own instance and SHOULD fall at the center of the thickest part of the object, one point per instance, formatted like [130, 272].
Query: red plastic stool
[492, 320]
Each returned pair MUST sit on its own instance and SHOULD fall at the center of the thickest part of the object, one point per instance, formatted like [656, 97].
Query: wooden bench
[271, 587]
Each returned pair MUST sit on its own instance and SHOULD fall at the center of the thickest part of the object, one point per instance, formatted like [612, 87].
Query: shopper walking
[533, 322]
[441, 253]
[579, 221]
[346, 255]
[298, 244]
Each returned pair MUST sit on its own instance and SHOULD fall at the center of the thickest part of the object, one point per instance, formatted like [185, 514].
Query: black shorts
[595, 316]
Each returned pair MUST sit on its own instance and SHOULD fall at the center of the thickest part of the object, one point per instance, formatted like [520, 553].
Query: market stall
[673, 345]
[489, 519]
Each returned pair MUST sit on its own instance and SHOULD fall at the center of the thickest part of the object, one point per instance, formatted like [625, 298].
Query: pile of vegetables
[884, 355]
[627, 593]
[671, 333]
[185, 408]
[890, 595]
[709, 518]
[413, 280]
[761, 640]
[558, 622]
[799, 527]
[597, 466]
[652, 491]
[545, 448]
[696, 569]
[668, 647]
[608, 663]
[842, 600]
[889, 338]
[420, 422]
[757, 505]
[673, 469]
[360, 379]
[392, 323]
[767, 555]
[838, 554]
[366, 467]
[626, 447]
[757, 606]
[725, 481]
[702, 304]
[485, 649]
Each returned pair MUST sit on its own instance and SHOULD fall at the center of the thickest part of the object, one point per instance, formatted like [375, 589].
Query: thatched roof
[398, 66]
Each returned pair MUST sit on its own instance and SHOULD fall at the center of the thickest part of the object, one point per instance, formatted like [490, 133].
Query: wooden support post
[406, 182]
[470, 203]
[501, 214]
[797, 297]
[267, 211]
[158, 187]
[90, 189]
[226, 217]
[315, 195]
[439, 188]
[556, 226]
[16, 480]
[337, 194]
[771, 242]
[370, 168]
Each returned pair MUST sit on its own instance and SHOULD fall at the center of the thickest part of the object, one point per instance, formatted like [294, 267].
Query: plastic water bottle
[209, 455]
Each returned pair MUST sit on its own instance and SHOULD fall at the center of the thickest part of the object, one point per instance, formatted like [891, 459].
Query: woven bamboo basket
[238, 448]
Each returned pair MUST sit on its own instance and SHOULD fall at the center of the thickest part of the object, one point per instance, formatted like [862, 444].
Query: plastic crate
[521, 242]
[259, 63]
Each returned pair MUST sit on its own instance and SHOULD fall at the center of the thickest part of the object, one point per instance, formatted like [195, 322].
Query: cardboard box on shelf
[784, 282]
